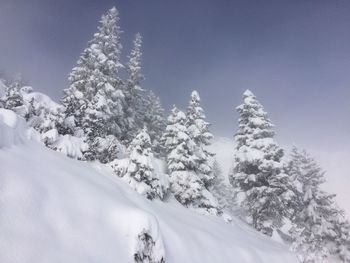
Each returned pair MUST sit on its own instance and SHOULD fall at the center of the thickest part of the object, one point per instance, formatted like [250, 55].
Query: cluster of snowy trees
[105, 117]
[277, 193]
[103, 107]
[111, 119]
[189, 164]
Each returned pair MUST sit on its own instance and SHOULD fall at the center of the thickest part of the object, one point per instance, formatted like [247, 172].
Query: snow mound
[12, 128]
[40, 100]
[56, 209]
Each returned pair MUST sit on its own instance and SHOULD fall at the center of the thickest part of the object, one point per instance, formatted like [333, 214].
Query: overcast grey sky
[294, 55]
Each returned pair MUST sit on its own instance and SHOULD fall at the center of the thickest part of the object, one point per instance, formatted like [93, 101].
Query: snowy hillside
[55, 209]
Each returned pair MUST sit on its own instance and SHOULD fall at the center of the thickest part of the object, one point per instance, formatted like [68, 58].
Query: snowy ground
[55, 209]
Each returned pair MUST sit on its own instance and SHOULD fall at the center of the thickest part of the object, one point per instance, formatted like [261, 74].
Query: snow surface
[56, 209]
[41, 100]
[12, 128]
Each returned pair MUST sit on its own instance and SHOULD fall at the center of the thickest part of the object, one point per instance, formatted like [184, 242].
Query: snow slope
[40, 100]
[12, 129]
[56, 209]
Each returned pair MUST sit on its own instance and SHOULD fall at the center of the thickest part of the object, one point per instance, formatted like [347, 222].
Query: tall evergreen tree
[317, 227]
[134, 94]
[258, 172]
[198, 130]
[94, 100]
[186, 185]
[155, 122]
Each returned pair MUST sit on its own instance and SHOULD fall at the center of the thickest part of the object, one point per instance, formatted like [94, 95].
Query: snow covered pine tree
[258, 174]
[155, 122]
[134, 94]
[319, 228]
[198, 130]
[186, 185]
[94, 100]
[140, 174]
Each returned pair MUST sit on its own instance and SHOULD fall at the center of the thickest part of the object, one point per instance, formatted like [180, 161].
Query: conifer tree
[186, 185]
[258, 172]
[140, 173]
[342, 240]
[316, 222]
[222, 191]
[198, 130]
[94, 99]
[134, 94]
[12, 98]
[155, 122]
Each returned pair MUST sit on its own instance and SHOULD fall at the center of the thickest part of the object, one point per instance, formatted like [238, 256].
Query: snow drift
[55, 209]
[12, 128]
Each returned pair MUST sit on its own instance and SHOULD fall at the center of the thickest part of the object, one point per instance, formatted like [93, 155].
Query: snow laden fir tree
[134, 94]
[319, 228]
[198, 130]
[186, 184]
[258, 174]
[139, 172]
[94, 100]
[155, 122]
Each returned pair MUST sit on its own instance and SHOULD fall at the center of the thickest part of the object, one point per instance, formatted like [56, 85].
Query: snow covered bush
[258, 173]
[73, 147]
[146, 249]
[104, 149]
[40, 112]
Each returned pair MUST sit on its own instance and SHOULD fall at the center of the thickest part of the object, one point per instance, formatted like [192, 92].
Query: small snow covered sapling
[140, 172]
[146, 249]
